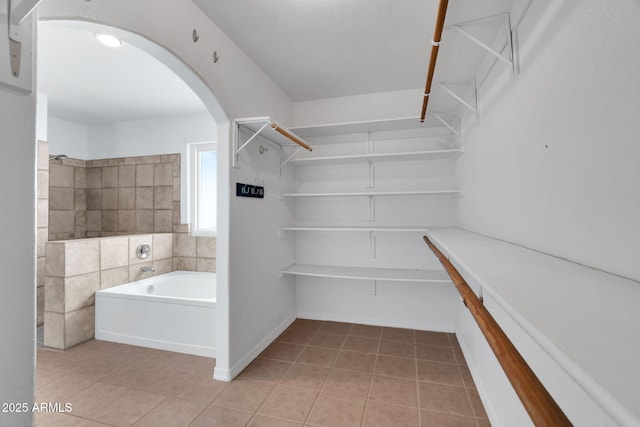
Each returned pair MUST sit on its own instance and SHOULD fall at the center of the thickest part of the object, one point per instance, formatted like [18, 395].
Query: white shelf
[378, 193]
[363, 273]
[401, 123]
[585, 319]
[255, 124]
[445, 154]
[358, 228]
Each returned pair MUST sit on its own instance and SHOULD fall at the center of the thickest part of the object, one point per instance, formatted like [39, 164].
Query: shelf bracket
[372, 209]
[236, 141]
[372, 245]
[444, 122]
[372, 175]
[374, 288]
[473, 108]
[289, 159]
[485, 46]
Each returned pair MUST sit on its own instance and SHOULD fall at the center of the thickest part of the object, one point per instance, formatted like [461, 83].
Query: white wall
[18, 253]
[66, 137]
[554, 164]
[240, 89]
[42, 117]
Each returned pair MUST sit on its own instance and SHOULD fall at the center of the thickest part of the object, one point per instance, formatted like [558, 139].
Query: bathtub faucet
[146, 269]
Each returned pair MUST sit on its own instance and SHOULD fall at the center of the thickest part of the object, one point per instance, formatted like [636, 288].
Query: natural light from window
[203, 159]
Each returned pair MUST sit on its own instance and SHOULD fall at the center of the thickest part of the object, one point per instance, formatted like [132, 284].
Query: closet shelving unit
[370, 158]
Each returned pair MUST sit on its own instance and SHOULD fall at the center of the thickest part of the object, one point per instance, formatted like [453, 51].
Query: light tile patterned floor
[315, 374]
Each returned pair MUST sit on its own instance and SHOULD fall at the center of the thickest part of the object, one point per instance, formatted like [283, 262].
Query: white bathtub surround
[174, 311]
[76, 269]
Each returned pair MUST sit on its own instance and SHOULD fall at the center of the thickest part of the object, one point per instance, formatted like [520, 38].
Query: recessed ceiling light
[108, 40]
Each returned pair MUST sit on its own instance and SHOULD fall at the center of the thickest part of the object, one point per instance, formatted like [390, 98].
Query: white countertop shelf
[357, 228]
[377, 193]
[365, 273]
[585, 319]
[444, 154]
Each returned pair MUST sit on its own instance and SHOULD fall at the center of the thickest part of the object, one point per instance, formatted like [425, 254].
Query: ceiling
[89, 83]
[312, 49]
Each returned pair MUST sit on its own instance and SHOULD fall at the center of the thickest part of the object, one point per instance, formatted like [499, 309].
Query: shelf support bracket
[372, 245]
[482, 45]
[372, 209]
[236, 141]
[473, 108]
[289, 159]
[444, 122]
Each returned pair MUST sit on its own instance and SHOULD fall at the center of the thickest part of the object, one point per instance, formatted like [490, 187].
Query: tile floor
[315, 374]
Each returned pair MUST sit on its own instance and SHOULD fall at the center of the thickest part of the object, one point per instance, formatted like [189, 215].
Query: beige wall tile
[42, 235]
[79, 326]
[61, 199]
[94, 198]
[162, 266]
[109, 198]
[163, 245]
[127, 176]
[163, 174]
[144, 198]
[110, 177]
[176, 189]
[80, 177]
[137, 240]
[168, 158]
[40, 271]
[40, 306]
[80, 199]
[54, 330]
[80, 224]
[144, 175]
[61, 176]
[42, 216]
[61, 221]
[176, 167]
[127, 198]
[117, 162]
[43, 184]
[176, 213]
[206, 247]
[94, 177]
[43, 155]
[100, 163]
[185, 263]
[114, 252]
[144, 220]
[79, 163]
[186, 246]
[79, 291]
[133, 160]
[54, 294]
[109, 221]
[206, 264]
[151, 159]
[127, 221]
[163, 197]
[162, 221]
[82, 256]
[114, 277]
[94, 221]
[181, 228]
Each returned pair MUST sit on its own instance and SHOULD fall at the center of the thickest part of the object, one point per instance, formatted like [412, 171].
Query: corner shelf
[446, 154]
[364, 273]
[377, 193]
[371, 126]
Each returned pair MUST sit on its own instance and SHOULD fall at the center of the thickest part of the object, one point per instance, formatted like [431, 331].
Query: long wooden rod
[542, 409]
[291, 136]
[435, 46]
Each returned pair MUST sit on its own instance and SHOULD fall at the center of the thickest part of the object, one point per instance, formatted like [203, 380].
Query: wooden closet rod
[435, 46]
[291, 136]
[542, 409]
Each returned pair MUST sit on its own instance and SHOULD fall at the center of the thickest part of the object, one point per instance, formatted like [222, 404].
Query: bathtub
[174, 311]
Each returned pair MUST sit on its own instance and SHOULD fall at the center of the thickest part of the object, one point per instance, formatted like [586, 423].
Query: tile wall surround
[42, 219]
[76, 269]
[87, 210]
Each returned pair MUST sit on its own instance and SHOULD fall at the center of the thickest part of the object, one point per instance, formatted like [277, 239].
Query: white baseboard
[236, 368]
[377, 321]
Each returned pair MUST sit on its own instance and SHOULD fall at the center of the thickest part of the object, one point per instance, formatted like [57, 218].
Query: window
[203, 191]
